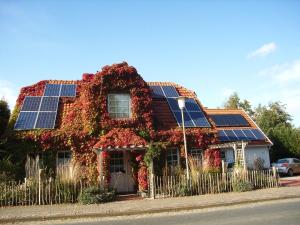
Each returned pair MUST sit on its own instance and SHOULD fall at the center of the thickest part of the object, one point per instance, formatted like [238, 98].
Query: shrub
[242, 186]
[94, 195]
[258, 164]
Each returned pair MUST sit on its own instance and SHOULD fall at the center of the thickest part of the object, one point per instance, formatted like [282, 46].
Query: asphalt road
[283, 212]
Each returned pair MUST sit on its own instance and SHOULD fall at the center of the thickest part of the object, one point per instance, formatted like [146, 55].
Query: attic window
[119, 106]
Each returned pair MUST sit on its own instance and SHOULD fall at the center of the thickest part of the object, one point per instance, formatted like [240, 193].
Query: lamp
[181, 104]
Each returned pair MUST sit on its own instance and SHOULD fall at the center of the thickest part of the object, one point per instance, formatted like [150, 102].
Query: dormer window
[119, 106]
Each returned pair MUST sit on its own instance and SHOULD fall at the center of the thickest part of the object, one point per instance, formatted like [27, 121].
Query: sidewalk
[135, 207]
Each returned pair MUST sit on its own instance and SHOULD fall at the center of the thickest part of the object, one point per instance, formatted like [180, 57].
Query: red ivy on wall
[88, 121]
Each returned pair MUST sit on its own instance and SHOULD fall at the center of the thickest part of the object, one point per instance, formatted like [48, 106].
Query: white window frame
[171, 153]
[114, 111]
[65, 163]
[196, 153]
[117, 167]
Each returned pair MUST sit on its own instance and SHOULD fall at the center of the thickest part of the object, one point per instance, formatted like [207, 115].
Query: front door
[120, 171]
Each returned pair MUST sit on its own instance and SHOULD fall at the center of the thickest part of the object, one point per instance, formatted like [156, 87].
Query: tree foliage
[234, 102]
[4, 116]
[276, 122]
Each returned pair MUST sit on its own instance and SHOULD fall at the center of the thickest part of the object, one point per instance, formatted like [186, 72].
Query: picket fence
[40, 192]
[210, 183]
[56, 191]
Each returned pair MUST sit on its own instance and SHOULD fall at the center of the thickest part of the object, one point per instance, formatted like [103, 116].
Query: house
[109, 120]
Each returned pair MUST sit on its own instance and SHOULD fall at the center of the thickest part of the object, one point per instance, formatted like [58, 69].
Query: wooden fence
[40, 192]
[210, 183]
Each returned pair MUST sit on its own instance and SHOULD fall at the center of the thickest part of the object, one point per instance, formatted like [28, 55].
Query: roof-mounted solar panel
[31, 103]
[223, 136]
[199, 119]
[157, 92]
[188, 122]
[26, 121]
[68, 90]
[173, 103]
[240, 135]
[231, 135]
[192, 105]
[52, 90]
[224, 120]
[249, 135]
[46, 120]
[258, 134]
[49, 104]
[170, 92]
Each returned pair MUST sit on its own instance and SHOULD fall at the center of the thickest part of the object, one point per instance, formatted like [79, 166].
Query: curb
[139, 212]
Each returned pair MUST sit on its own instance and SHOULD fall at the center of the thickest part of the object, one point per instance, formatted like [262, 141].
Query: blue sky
[212, 47]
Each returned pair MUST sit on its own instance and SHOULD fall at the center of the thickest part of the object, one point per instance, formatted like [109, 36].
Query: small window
[116, 162]
[63, 159]
[283, 161]
[119, 106]
[172, 157]
[296, 161]
[196, 155]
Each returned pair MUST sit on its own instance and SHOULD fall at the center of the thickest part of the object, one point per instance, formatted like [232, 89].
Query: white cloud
[264, 50]
[283, 73]
[283, 85]
[8, 92]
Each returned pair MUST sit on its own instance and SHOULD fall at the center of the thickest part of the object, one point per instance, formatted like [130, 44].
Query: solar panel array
[39, 112]
[60, 90]
[193, 114]
[231, 120]
[241, 135]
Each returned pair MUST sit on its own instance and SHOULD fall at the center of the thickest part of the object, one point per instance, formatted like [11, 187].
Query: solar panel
[223, 136]
[223, 120]
[199, 119]
[31, 103]
[49, 104]
[249, 135]
[187, 119]
[157, 92]
[240, 135]
[26, 121]
[46, 120]
[52, 90]
[192, 105]
[258, 134]
[170, 92]
[231, 135]
[173, 104]
[68, 90]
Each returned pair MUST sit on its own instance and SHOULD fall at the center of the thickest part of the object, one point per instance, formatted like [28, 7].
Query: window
[119, 106]
[196, 155]
[172, 157]
[116, 162]
[63, 158]
[296, 161]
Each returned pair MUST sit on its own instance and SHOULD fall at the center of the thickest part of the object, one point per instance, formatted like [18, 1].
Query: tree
[4, 116]
[276, 123]
[234, 102]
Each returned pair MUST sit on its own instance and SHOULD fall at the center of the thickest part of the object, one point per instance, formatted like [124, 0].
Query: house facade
[108, 121]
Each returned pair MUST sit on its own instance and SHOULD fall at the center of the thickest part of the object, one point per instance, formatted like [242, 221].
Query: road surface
[278, 212]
